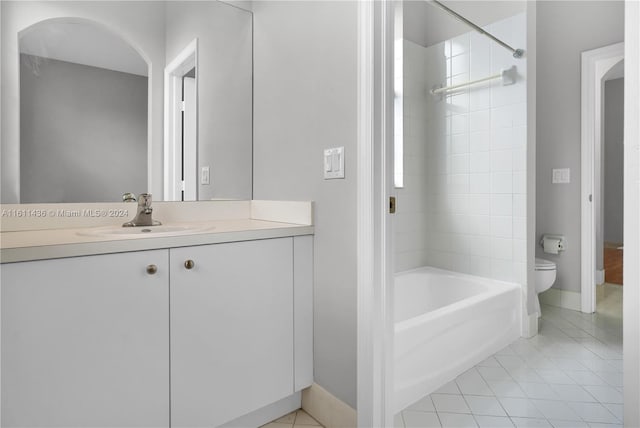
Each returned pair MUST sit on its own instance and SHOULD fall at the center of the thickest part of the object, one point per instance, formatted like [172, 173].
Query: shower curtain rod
[517, 53]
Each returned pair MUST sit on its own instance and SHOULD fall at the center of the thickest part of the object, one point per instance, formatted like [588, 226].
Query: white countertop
[29, 245]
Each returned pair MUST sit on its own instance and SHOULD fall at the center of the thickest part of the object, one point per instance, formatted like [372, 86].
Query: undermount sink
[146, 231]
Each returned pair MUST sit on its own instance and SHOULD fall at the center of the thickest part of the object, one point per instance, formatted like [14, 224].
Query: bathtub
[446, 323]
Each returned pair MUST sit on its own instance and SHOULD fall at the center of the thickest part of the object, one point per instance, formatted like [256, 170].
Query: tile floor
[570, 375]
[297, 419]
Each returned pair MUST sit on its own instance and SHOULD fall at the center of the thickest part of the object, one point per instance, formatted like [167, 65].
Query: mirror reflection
[105, 98]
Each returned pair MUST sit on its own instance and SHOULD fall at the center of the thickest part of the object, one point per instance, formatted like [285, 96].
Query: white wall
[564, 30]
[141, 24]
[471, 194]
[613, 160]
[305, 81]
[224, 90]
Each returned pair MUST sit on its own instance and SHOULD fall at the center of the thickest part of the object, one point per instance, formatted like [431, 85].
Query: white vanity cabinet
[231, 330]
[85, 343]
[212, 333]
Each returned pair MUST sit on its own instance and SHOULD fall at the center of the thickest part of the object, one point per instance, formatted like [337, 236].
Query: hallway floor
[570, 375]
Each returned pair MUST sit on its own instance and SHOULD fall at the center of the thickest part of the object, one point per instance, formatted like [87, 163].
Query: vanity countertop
[57, 243]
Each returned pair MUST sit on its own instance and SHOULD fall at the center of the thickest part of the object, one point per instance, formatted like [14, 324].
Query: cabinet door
[85, 342]
[231, 330]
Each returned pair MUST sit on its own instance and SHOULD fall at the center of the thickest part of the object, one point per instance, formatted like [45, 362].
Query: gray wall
[83, 132]
[224, 90]
[613, 160]
[305, 59]
[564, 30]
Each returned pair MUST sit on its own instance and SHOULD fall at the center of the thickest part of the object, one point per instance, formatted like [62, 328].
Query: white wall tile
[501, 161]
[501, 182]
[479, 204]
[502, 204]
[480, 183]
[480, 162]
[459, 124]
[479, 141]
[502, 226]
[465, 160]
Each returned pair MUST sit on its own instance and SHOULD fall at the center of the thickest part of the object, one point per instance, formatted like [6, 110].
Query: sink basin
[146, 231]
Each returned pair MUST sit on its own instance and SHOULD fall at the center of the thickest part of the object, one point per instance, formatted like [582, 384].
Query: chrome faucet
[143, 217]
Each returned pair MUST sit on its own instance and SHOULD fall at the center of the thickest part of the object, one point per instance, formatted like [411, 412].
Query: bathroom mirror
[102, 98]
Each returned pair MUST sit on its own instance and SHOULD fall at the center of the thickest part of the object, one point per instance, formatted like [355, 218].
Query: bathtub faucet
[143, 216]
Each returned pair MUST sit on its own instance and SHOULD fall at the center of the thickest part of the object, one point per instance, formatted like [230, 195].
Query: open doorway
[602, 180]
[610, 253]
[181, 126]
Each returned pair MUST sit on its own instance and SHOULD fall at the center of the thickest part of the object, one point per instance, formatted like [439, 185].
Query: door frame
[595, 65]
[374, 186]
[173, 73]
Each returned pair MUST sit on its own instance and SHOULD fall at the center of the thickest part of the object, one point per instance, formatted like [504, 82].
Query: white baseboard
[600, 276]
[561, 298]
[268, 413]
[327, 409]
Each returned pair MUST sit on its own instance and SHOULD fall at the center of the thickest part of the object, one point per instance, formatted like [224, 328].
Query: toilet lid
[542, 264]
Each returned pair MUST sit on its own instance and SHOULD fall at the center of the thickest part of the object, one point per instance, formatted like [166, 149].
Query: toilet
[544, 278]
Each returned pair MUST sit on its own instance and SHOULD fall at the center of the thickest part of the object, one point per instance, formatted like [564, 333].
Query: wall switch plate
[334, 163]
[561, 176]
[205, 177]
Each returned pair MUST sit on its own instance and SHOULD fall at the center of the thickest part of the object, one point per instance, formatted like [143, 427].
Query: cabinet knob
[189, 264]
[151, 269]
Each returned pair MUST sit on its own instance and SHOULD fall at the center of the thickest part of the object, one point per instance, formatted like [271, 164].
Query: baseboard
[327, 409]
[600, 276]
[562, 299]
[268, 413]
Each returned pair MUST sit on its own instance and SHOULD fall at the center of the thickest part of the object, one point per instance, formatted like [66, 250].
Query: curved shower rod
[517, 53]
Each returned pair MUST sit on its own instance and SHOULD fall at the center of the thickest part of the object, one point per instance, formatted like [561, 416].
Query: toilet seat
[542, 264]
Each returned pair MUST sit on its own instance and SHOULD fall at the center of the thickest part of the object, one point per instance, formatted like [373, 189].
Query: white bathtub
[445, 323]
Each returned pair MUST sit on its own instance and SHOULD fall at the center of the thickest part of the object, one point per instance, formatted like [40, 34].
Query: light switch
[204, 175]
[334, 163]
[561, 176]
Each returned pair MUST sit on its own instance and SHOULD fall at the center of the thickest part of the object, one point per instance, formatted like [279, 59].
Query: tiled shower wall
[463, 205]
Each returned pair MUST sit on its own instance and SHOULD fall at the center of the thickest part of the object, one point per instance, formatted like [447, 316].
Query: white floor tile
[524, 374]
[506, 389]
[605, 394]
[420, 419]
[494, 373]
[538, 390]
[493, 422]
[450, 403]
[449, 388]
[490, 362]
[456, 420]
[488, 406]
[617, 410]
[472, 383]
[531, 423]
[596, 425]
[556, 410]
[424, 405]
[573, 393]
[568, 424]
[593, 412]
[555, 377]
[520, 407]
[510, 361]
[611, 378]
[585, 377]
